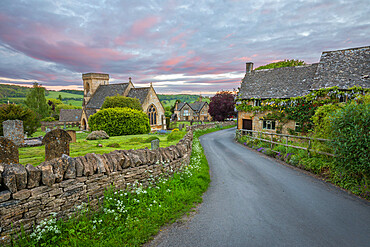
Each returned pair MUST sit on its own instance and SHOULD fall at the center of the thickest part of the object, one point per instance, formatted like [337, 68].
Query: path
[256, 201]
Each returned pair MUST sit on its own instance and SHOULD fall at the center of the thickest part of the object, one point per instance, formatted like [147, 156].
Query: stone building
[97, 88]
[342, 68]
[70, 116]
[197, 111]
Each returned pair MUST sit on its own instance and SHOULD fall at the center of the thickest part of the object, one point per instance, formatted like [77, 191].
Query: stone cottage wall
[29, 194]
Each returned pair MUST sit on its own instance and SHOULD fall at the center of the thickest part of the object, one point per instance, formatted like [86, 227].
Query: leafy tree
[36, 101]
[121, 101]
[13, 112]
[120, 121]
[280, 64]
[222, 106]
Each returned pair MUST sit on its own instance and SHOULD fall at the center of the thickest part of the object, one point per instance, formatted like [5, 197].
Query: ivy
[300, 109]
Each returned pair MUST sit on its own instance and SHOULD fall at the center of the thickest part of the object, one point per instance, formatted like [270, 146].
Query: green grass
[131, 217]
[36, 155]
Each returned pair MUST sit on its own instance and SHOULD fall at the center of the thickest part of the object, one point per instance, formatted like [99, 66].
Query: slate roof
[70, 115]
[284, 82]
[180, 105]
[139, 93]
[344, 69]
[104, 91]
[90, 112]
[197, 106]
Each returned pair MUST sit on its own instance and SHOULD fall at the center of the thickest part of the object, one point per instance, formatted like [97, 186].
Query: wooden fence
[258, 135]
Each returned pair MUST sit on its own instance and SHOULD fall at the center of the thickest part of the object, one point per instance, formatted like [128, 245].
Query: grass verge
[133, 216]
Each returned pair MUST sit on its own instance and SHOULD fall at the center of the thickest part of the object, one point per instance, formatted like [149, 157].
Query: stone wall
[29, 194]
[209, 125]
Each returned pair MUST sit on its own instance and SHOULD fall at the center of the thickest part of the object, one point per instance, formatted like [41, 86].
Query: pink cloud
[141, 26]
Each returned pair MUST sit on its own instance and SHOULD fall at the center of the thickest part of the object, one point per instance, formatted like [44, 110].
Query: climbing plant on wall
[300, 109]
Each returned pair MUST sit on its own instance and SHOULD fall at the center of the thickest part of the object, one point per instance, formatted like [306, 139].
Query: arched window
[152, 114]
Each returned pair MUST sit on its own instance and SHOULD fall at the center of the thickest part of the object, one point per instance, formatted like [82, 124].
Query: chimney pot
[249, 67]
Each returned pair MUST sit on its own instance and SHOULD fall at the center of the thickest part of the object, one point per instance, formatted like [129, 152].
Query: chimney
[249, 67]
[200, 98]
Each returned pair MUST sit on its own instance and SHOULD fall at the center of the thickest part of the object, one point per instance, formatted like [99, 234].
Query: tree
[280, 64]
[36, 101]
[121, 101]
[13, 112]
[222, 106]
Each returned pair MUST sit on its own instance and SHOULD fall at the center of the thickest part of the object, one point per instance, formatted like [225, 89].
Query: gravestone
[13, 130]
[181, 126]
[56, 144]
[72, 133]
[154, 144]
[163, 121]
[8, 151]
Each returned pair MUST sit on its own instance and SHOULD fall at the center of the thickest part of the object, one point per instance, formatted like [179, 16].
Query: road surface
[256, 201]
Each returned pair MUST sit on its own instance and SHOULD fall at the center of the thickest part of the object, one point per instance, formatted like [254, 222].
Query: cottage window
[342, 98]
[257, 102]
[298, 127]
[268, 124]
[152, 114]
[186, 113]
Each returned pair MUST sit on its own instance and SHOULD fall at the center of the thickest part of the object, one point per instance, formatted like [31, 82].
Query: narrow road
[255, 201]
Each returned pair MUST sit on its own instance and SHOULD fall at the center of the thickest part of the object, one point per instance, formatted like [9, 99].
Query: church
[97, 88]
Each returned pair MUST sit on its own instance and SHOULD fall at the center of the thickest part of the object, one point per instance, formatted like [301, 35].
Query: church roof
[284, 82]
[104, 91]
[139, 93]
[344, 69]
[70, 115]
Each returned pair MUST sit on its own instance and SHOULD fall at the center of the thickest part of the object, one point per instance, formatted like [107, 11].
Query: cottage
[97, 88]
[343, 69]
[197, 111]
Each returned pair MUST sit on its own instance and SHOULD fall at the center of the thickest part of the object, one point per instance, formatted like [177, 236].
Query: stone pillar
[8, 151]
[154, 144]
[56, 144]
[163, 121]
[72, 133]
[13, 130]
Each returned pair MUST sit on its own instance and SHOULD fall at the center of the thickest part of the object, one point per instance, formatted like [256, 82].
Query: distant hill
[169, 100]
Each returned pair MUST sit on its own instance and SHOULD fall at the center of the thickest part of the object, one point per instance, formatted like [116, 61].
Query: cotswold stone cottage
[342, 68]
[97, 88]
[197, 111]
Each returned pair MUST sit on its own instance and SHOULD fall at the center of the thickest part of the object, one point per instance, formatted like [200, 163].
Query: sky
[194, 47]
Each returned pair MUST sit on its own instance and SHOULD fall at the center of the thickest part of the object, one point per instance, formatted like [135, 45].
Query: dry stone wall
[30, 194]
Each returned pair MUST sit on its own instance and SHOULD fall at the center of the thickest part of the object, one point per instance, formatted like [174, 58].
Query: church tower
[91, 82]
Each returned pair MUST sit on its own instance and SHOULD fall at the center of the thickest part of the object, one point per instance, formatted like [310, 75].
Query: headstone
[163, 121]
[72, 133]
[154, 144]
[181, 126]
[8, 151]
[56, 144]
[13, 130]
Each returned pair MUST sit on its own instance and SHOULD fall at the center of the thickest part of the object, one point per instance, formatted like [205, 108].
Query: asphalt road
[256, 201]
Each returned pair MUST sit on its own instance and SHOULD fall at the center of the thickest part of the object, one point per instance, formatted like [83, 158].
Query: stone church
[97, 88]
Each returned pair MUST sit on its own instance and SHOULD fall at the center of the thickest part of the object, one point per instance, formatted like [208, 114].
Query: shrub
[174, 136]
[120, 121]
[321, 120]
[121, 102]
[13, 112]
[48, 119]
[350, 139]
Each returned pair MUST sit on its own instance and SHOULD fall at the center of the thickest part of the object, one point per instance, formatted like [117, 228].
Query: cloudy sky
[180, 46]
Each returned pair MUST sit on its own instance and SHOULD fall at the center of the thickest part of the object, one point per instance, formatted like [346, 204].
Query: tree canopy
[36, 101]
[121, 101]
[280, 64]
[222, 106]
[13, 112]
